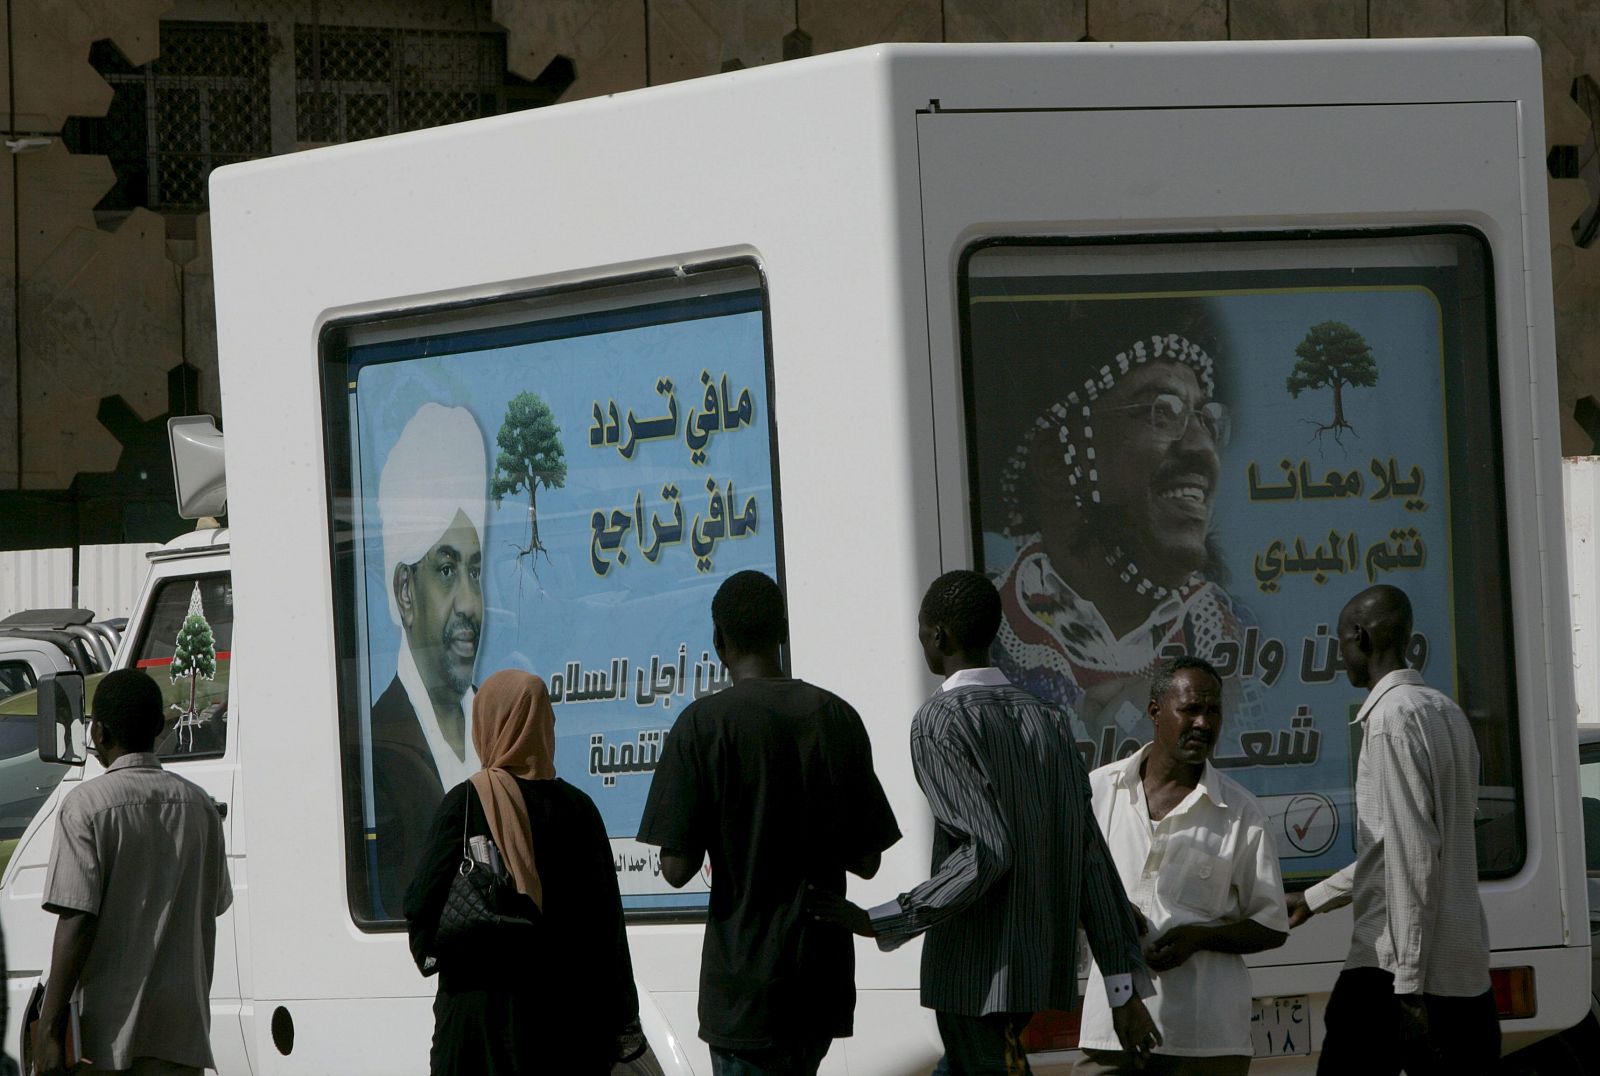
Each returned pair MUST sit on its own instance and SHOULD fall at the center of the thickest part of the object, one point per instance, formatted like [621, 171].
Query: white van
[856, 320]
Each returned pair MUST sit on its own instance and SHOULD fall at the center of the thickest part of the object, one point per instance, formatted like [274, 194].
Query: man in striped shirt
[1414, 993]
[1018, 860]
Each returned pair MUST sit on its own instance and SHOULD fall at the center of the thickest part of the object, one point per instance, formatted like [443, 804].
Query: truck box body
[814, 319]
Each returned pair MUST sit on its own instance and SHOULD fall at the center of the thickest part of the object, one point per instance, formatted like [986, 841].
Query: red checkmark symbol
[1300, 831]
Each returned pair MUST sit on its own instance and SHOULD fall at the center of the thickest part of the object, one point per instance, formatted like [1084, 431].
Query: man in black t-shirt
[772, 778]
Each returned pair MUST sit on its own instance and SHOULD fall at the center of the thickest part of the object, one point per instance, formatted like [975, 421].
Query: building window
[362, 82]
[207, 100]
[204, 102]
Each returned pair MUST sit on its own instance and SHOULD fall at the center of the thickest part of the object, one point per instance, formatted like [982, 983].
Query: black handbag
[481, 906]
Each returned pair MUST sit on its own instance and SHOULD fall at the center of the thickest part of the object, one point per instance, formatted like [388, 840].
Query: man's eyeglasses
[1169, 417]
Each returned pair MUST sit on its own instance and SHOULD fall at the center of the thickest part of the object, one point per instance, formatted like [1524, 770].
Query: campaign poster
[562, 496]
[1212, 462]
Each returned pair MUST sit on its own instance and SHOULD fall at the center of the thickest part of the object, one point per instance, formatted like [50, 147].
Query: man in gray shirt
[138, 877]
[1414, 993]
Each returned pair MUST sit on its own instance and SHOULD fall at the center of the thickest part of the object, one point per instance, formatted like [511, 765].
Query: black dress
[552, 1001]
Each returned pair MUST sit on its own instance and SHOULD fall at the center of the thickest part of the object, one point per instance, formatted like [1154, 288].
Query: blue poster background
[1401, 418]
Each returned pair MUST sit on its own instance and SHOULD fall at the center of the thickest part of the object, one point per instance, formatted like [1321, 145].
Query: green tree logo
[1333, 355]
[530, 456]
[194, 655]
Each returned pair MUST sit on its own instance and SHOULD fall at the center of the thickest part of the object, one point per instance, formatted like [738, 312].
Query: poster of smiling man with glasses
[1112, 438]
[1206, 448]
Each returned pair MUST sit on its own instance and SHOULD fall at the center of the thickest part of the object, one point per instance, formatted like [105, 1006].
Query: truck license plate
[1281, 1027]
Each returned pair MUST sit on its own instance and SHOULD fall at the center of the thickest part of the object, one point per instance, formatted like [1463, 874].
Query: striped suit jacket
[1018, 861]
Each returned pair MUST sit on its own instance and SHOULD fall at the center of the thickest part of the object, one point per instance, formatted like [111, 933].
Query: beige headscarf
[514, 733]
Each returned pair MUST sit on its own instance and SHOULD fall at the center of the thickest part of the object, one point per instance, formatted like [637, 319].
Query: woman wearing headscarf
[557, 997]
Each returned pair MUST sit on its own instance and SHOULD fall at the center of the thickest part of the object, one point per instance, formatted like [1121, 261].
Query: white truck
[853, 321]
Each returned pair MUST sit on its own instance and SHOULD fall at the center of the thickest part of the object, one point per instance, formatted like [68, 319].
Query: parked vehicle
[35, 644]
[37, 641]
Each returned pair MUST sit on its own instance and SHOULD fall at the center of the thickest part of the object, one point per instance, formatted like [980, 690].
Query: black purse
[481, 907]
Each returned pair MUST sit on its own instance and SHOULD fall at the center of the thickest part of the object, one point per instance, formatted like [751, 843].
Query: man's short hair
[1385, 611]
[1167, 672]
[965, 604]
[128, 703]
[748, 608]
[437, 467]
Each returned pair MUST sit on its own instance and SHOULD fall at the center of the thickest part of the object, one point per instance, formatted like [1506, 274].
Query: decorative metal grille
[207, 99]
[204, 102]
[362, 82]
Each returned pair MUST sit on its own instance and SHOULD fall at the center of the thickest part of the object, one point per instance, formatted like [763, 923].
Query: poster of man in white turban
[558, 491]
[431, 501]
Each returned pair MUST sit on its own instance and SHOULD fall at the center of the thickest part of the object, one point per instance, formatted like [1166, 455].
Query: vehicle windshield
[15, 676]
[25, 780]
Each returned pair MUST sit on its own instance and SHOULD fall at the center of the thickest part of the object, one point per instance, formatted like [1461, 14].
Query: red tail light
[1052, 1031]
[1514, 997]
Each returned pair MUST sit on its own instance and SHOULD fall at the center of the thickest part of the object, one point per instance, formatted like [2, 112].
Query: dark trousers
[798, 1059]
[1365, 1032]
[984, 1045]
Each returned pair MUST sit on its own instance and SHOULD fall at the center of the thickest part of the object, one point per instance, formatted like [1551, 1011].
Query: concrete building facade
[116, 110]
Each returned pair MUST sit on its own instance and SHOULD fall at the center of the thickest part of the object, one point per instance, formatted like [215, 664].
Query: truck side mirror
[63, 732]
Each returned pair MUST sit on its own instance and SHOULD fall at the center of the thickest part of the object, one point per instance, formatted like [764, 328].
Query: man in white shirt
[1194, 852]
[1414, 993]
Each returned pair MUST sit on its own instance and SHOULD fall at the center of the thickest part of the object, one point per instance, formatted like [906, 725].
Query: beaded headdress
[1070, 420]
